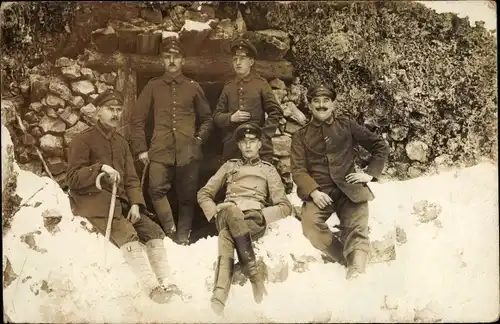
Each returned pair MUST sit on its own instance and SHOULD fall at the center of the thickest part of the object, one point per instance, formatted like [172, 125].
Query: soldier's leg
[240, 232]
[125, 237]
[186, 186]
[354, 222]
[314, 227]
[160, 182]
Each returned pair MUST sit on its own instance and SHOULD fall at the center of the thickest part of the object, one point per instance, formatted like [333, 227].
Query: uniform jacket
[181, 113]
[87, 153]
[250, 185]
[322, 155]
[253, 94]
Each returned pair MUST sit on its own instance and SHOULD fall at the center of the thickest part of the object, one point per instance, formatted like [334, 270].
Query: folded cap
[247, 130]
[242, 46]
[108, 96]
[321, 90]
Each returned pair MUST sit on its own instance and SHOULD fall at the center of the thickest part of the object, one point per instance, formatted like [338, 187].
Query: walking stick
[111, 205]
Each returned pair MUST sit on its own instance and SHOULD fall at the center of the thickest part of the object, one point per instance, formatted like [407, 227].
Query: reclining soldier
[255, 197]
[101, 149]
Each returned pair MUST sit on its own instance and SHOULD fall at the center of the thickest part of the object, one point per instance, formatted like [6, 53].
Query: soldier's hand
[224, 205]
[134, 214]
[321, 199]
[358, 177]
[240, 116]
[143, 157]
[112, 173]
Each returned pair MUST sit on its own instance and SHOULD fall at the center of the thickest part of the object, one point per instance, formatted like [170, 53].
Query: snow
[451, 268]
[191, 25]
[167, 34]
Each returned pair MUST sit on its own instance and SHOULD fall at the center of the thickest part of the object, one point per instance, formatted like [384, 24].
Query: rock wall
[423, 81]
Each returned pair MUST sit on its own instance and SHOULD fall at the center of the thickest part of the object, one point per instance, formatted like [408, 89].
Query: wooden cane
[111, 205]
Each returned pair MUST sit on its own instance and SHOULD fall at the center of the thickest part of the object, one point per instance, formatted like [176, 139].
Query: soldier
[101, 149]
[255, 197]
[322, 158]
[246, 98]
[179, 105]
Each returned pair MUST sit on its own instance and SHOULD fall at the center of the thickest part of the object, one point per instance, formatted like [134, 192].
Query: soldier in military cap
[255, 197]
[182, 123]
[246, 98]
[102, 149]
[322, 158]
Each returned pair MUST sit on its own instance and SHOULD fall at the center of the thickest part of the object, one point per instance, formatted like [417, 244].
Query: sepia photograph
[249, 161]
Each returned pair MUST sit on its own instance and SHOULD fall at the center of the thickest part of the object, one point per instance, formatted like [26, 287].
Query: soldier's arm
[222, 116]
[374, 144]
[131, 180]
[280, 205]
[305, 183]
[272, 108]
[206, 194]
[81, 174]
[138, 117]
[204, 114]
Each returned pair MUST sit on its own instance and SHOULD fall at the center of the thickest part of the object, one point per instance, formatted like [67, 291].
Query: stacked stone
[60, 107]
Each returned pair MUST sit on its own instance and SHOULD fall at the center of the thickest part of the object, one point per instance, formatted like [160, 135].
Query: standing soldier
[255, 197]
[322, 160]
[182, 123]
[246, 98]
[101, 149]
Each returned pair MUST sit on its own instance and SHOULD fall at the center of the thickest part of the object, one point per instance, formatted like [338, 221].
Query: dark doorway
[212, 157]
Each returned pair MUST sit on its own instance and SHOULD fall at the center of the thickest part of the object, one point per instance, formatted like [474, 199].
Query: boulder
[71, 72]
[291, 112]
[52, 125]
[87, 74]
[25, 87]
[102, 87]
[152, 15]
[69, 117]
[77, 102]
[51, 218]
[31, 117]
[105, 40]
[83, 87]
[59, 88]
[51, 112]
[195, 15]
[33, 166]
[89, 113]
[219, 39]
[414, 171]
[284, 165]
[271, 44]
[56, 165]
[417, 151]
[72, 132]
[36, 132]
[280, 94]
[36, 107]
[54, 101]
[204, 8]
[63, 62]
[291, 127]
[52, 145]
[177, 16]
[39, 86]
[277, 84]
[127, 36]
[108, 78]
[282, 145]
[28, 139]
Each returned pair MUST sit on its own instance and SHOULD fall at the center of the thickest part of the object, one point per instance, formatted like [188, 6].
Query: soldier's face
[242, 64]
[110, 114]
[249, 147]
[321, 107]
[173, 62]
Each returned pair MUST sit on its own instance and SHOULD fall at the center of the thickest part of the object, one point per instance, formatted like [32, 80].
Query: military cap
[245, 46]
[172, 45]
[247, 130]
[106, 97]
[321, 90]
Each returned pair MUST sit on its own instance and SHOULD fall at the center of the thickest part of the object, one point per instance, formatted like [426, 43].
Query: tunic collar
[169, 79]
[317, 123]
[252, 162]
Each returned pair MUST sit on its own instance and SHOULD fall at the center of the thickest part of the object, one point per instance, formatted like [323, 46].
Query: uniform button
[173, 115]
[173, 128]
[174, 121]
[175, 101]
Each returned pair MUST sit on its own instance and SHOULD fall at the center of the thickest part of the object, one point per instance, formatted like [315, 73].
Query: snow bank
[191, 25]
[448, 269]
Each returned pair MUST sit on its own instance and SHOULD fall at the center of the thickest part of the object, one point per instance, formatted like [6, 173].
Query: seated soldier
[101, 149]
[255, 197]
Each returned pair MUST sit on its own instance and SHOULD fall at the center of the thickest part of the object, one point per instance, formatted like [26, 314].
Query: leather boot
[335, 252]
[222, 283]
[164, 213]
[186, 213]
[356, 264]
[246, 256]
[134, 255]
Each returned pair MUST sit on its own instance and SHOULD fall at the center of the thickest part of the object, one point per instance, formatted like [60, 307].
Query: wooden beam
[204, 67]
